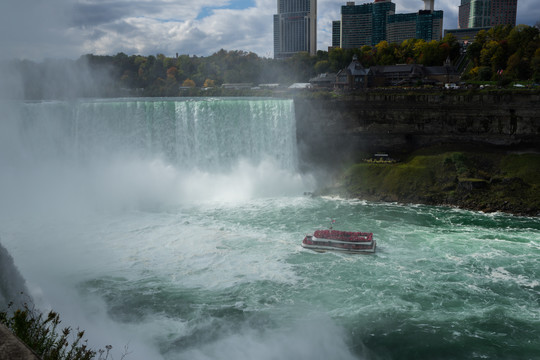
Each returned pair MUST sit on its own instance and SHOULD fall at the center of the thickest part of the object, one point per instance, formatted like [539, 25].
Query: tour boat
[345, 241]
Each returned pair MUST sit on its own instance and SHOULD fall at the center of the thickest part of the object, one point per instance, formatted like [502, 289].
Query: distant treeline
[504, 52]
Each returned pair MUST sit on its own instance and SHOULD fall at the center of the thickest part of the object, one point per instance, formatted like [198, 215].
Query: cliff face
[331, 129]
[456, 149]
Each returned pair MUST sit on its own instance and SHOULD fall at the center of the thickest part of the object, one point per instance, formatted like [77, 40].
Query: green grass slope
[478, 179]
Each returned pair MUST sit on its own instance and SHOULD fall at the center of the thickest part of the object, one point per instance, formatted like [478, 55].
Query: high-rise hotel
[371, 23]
[295, 27]
[363, 24]
[425, 24]
[486, 13]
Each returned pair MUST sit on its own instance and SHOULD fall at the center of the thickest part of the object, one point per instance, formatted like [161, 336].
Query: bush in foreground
[43, 335]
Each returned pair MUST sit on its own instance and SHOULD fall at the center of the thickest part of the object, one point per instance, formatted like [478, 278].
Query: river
[171, 229]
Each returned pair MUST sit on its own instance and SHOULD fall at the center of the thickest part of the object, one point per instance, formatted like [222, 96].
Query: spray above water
[64, 159]
[142, 152]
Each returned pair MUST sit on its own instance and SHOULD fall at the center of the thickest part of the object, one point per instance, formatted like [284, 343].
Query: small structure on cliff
[381, 158]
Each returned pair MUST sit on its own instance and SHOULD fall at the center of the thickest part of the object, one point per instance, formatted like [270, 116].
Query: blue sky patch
[234, 4]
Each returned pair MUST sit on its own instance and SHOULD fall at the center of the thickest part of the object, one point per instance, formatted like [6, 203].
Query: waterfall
[142, 150]
[208, 134]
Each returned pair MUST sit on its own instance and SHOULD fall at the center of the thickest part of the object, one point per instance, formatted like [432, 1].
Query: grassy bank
[478, 179]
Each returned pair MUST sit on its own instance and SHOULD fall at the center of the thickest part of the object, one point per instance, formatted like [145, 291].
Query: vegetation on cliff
[43, 335]
[503, 54]
[473, 179]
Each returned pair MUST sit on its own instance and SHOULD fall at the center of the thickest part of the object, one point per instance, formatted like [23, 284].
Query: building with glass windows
[356, 25]
[425, 24]
[463, 14]
[401, 27]
[486, 13]
[336, 31]
[371, 23]
[295, 27]
[364, 24]
[381, 10]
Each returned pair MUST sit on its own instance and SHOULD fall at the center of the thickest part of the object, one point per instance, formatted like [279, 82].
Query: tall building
[463, 14]
[336, 33]
[295, 27]
[381, 10]
[425, 24]
[371, 23]
[486, 13]
[364, 24]
[356, 25]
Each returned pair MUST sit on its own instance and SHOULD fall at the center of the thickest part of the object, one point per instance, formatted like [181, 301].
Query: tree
[188, 83]
[171, 73]
[338, 59]
[385, 53]
[511, 50]
[453, 44]
[209, 83]
[322, 66]
[430, 53]
[535, 65]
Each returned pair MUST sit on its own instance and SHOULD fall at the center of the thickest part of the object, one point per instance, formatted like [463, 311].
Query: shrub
[42, 334]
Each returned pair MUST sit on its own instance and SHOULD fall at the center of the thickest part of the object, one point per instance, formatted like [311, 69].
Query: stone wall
[11, 348]
[334, 130]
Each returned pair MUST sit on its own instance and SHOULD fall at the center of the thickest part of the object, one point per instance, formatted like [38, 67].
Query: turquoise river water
[171, 229]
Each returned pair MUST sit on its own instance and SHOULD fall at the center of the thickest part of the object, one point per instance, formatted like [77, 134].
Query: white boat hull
[341, 246]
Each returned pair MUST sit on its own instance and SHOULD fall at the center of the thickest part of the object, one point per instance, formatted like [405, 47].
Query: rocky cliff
[478, 151]
[401, 122]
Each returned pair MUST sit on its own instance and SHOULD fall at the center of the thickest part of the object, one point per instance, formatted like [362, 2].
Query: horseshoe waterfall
[171, 229]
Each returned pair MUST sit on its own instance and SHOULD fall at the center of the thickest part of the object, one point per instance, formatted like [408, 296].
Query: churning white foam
[317, 338]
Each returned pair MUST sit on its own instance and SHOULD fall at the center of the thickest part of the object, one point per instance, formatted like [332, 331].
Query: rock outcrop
[335, 129]
[11, 348]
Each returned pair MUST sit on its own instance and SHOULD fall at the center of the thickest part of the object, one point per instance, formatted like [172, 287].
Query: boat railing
[343, 235]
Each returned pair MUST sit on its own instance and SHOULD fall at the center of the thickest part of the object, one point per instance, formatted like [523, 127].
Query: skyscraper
[463, 14]
[295, 27]
[364, 24]
[486, 13]
[381, 10]
[356, 25]
[426, 24]
[336, 33]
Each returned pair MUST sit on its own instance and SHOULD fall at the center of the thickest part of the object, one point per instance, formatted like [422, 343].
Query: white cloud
[38, 29]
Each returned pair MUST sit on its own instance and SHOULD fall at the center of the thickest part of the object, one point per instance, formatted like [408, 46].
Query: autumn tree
[188, 83]
[209, 83]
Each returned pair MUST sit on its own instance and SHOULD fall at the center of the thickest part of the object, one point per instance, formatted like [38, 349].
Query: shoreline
[479, 180]
[486, 210]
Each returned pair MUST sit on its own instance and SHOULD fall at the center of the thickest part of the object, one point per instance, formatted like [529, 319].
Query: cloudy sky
[38, 29]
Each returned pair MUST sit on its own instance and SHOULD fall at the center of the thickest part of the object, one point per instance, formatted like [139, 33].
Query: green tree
[322, 66]
[338, 59]
[535, 65]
